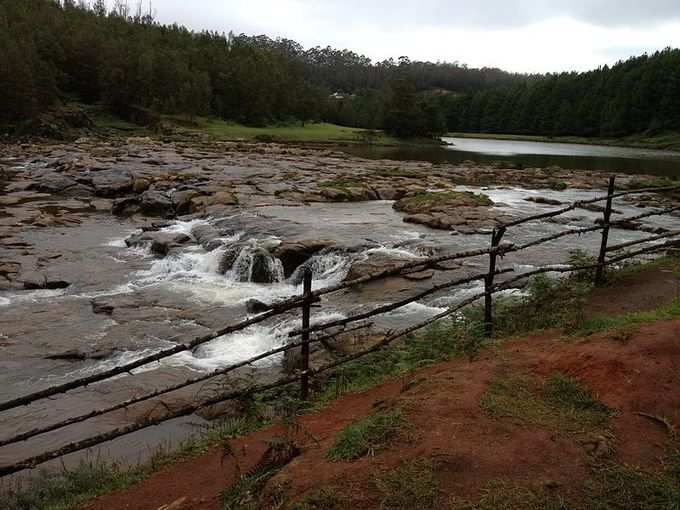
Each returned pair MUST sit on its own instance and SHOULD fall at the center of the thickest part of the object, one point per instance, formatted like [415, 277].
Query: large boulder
[293, 254]
[182, 201]
[263, 267]
[112, 183]
[157, 203]
[160, 243]
[32, 280]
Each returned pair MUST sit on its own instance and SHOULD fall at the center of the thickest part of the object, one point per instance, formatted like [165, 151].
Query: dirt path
[637, 378]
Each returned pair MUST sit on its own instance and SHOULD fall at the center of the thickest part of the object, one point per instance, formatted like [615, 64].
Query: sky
[514, 35]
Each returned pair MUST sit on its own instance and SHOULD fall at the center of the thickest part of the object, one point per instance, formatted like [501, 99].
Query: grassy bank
[667, 141]
[320, 132]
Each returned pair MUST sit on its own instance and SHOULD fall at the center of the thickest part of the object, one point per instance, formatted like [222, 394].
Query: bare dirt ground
[637, 378]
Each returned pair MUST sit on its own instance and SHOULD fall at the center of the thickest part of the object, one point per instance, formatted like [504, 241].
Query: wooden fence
[307, 300]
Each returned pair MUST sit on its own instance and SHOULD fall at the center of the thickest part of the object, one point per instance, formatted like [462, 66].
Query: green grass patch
[631, 320]
[559, 403]
[65, 490]
[412, 486]
[427, 200]
[293, 132]
[624, 487]
[503, 496]
[324, 499]
[366, 436]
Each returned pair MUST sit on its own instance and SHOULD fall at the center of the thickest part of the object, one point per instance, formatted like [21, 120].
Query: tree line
[58, 51]
[639, 95]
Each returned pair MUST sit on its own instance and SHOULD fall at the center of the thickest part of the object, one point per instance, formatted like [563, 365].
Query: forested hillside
[54, 52]
[636, 96]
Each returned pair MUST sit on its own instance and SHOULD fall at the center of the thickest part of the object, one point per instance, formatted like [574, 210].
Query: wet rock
[262, 267]
[294, 254]
[33, 280]
[256, 306]
[420, 276]
[78, 355]
[140, 185]
[222, 198]
[54, 183]
[112, 183]
[374, 263]
[543, 200]
[182, 201]
[207, 236]
[126, 207]
[228, 258]
[160, 243]
[390, 193]
[157, 203]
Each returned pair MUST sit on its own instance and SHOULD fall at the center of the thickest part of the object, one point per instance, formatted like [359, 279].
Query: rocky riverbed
[114, 249]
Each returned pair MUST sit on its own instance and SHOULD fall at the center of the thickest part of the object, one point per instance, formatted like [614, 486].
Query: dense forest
[54, 52]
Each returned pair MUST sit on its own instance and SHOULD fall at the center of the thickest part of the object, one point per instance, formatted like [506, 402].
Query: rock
[419, 276]
[373, 264]
[222, 198]
[390, 193]
[262, 268]
[294, 254]
[112, 183]
[78, 355]
[228, 258]
[207, 236]
[140, 185]
[32, 280]
[543, 200]
[160, 242]
[256, 306]
[54, 183]
[182, 201]
[126, 206]
[157, 203]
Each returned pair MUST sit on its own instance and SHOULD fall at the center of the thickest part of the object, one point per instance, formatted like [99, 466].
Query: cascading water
[256, 265]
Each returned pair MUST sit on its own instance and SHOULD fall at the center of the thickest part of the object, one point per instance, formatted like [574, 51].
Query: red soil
[469, 447]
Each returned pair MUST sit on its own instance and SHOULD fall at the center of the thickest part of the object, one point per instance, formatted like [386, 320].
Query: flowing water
[160, 301]
[534, 155]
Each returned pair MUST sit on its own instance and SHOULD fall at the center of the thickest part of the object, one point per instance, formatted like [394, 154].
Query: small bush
[366, 436]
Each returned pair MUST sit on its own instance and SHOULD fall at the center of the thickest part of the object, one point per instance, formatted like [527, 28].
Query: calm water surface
[535, 154]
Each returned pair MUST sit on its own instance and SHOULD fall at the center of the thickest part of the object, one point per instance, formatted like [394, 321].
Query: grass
[366, 436]
[502, 496]
[665, 141]
[427, 200]
[324, 499]
[71, 488]
[618, 487]
[294, 132]
[411, 486]
[559, 403]
[630, 320]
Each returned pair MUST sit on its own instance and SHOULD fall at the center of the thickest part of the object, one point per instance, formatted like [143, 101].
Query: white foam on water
[33, 296]
[400, 253]
[5, 301]
[416, 309]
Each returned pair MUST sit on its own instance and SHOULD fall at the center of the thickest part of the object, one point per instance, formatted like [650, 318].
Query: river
[533, 155]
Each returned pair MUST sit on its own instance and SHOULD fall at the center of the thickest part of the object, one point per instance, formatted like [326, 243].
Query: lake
[534, 154]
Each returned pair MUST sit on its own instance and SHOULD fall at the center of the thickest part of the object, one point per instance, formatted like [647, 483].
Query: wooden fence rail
[309, 297]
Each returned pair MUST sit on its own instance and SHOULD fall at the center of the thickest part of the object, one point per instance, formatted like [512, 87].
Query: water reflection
[534, 154]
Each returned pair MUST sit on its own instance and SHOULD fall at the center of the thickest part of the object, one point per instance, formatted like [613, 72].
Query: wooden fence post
[496, 237]
[306, 315]
[601, 259]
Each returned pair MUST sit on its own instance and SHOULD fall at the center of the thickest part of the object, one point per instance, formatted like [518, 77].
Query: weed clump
[366, 436]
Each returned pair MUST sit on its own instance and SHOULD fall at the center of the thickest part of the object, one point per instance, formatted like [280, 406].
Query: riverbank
[667, 142]
[606, 421]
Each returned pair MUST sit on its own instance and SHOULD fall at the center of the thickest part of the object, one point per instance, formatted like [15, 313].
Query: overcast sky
[515, 35]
